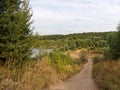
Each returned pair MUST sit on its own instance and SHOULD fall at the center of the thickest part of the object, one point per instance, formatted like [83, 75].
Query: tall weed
[83, 56]
[107, 74]
[38, 74]
[63, 65]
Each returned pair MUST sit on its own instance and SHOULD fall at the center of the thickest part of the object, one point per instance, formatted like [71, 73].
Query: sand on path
[80, 81]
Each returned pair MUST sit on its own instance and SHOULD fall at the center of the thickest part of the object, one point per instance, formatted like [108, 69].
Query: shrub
[96, 59]
[114, 44]
[83, 56]
[63, 64]
[107, 54]
[107, 74]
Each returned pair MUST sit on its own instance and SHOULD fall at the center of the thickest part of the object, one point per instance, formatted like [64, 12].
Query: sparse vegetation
[107, 74]
[39, 74]
[83, 56]
[35, 75]
[107, 54]
[96, 59]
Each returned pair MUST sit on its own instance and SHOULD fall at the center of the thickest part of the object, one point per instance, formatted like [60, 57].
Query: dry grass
[38, 74]
[107, 74]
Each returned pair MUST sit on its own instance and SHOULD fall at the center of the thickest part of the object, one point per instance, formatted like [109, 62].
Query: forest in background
[91, 41]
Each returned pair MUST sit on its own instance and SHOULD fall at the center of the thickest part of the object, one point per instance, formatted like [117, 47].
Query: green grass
[63, 65]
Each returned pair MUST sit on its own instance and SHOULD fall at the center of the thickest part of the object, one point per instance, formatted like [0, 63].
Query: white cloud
[69, 16]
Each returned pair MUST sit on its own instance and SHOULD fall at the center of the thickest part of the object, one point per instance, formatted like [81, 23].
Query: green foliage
[58, 57]
[107, 54]
[90, 41]
[114, 44]
[96, 59]
[63, 64]
[14, 30]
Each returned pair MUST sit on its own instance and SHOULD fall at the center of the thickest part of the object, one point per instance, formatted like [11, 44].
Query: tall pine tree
[14, 30]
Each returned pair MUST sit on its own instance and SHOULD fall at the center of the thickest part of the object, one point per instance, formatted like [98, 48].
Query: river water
[37, 51]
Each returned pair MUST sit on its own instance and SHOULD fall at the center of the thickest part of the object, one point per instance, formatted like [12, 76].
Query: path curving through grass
[80, 81]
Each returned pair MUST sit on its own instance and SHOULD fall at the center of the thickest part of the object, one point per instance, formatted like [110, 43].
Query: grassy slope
[36, 75]
[107, 74]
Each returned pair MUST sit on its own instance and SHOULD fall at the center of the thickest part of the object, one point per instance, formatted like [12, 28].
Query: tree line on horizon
[99, 41]
[76, 41]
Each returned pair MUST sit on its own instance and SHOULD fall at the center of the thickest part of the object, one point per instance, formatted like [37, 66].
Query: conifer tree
[14, 30]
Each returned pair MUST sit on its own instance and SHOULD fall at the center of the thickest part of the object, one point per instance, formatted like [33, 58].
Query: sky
[74, 16]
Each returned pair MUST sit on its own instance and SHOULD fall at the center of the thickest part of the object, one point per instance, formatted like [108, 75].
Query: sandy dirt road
[80, 81]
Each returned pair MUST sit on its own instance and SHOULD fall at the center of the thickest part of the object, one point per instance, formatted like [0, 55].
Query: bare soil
[80, 81]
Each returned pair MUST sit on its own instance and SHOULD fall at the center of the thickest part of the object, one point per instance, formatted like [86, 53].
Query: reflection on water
[37, 51]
